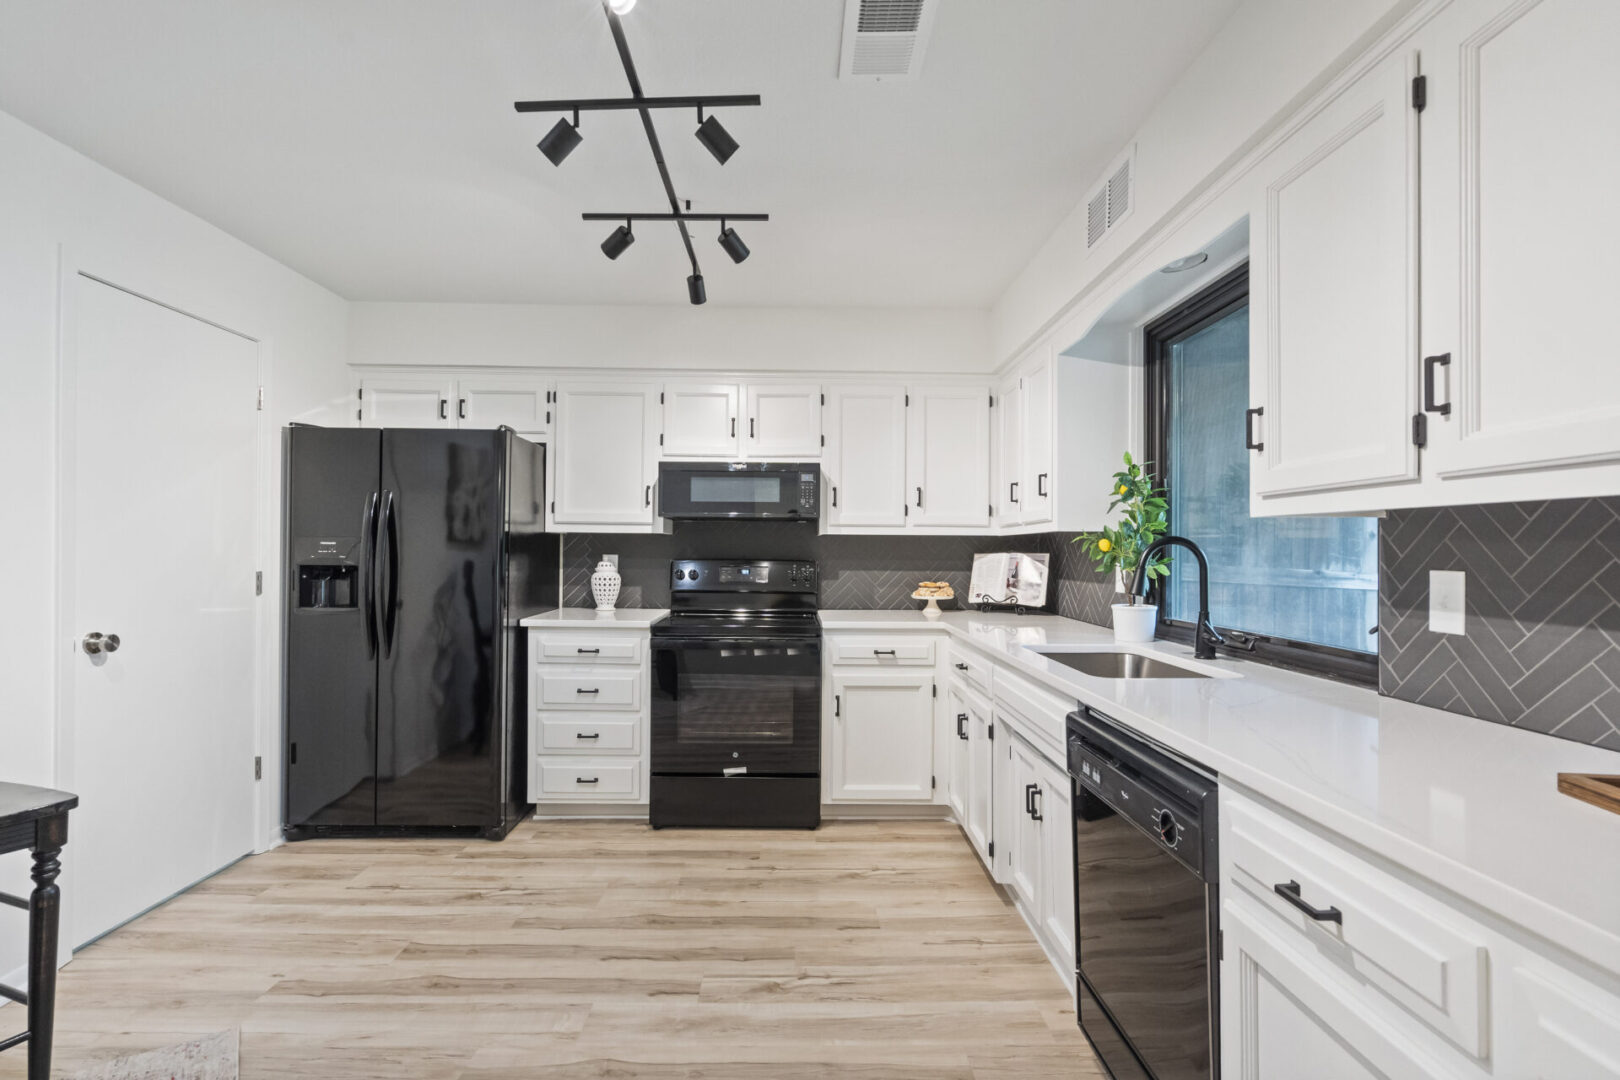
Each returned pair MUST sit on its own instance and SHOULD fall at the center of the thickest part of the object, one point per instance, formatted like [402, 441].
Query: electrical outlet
[1446, 601]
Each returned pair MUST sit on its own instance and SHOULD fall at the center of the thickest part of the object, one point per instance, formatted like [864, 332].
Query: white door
[161, 502]
[949, 457]
[605, 445]
[866, 456]
[958, 754]
[784, 422]
[1522, 236]
[405, 400]
[700, 420]
[1009, 414]
[1024, 833]
[980, 793]
[515, 401]
[882, 744]
[1052, 803]
[1334, 298]
[1035, 487]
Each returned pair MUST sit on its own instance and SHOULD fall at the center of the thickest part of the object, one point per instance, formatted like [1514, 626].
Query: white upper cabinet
[524, 405]
[866, 457]
[948, 458]
[1521, 166]
[606, 445]
[1009, 420]
[784, 422]
[701, 420]
[1334, 293]
[407, 400]
[1036, 389]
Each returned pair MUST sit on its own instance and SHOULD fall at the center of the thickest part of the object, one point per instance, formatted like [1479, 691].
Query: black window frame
[1215, 301]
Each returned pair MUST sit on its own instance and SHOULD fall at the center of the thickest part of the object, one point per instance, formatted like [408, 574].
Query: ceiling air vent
[884, 39]
[1110, 201]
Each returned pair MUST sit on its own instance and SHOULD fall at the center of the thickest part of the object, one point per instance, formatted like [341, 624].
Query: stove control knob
[1169, 831]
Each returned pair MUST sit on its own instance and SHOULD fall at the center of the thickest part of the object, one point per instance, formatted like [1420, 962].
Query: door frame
[71, 266]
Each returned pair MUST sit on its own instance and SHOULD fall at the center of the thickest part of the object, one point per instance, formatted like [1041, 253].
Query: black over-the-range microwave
[743, 490]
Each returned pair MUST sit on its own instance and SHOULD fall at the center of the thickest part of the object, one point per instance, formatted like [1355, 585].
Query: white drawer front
[572, 734]
[570, 689]
[1417, 951]
[881, 651]
[971, 668]
[587, 647]
[587, 781]
[1040, 714]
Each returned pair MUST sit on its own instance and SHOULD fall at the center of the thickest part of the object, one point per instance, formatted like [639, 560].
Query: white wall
[751, 339]
[52, 196]
[1268, 57]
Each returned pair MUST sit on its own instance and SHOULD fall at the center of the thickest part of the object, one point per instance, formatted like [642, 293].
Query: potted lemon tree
[1118, 548]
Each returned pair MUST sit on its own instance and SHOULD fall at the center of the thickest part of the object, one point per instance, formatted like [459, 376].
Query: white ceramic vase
[1135, 622]
[605, 582]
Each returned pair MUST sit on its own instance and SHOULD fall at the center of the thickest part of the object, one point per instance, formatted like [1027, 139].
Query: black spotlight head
[695, 290]
[617, 241]
[560, 141]
[717, 139]
[733, 245]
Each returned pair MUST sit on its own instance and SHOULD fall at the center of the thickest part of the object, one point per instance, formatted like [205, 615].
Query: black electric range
[736, 697]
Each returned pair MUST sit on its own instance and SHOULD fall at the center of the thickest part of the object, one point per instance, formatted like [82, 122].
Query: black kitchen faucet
[1205, 637]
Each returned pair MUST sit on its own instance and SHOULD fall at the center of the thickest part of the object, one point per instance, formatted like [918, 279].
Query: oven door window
[1144, 940]
[736, 704]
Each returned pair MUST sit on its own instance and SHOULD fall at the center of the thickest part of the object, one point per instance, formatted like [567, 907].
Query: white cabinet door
[418, 401]
[866, 456]
[948, 457]
[881, 746]
[700, 420]
[1009, 414]
[1335, 294]
[605, 445]
[524, 405]
[978, 801]
[958, 754]
[1522, 237]
[1035, 485]
[1024, 832]
[1052, 804]
[784, 422]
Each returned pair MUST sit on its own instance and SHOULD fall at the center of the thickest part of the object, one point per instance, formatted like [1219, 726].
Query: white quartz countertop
[584, 618]
[1469, 804]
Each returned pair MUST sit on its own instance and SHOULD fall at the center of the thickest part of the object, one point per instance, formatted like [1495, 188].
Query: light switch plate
[1446, 601]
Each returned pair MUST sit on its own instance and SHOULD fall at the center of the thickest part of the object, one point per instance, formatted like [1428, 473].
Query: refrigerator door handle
[369, 573]
[391, 602]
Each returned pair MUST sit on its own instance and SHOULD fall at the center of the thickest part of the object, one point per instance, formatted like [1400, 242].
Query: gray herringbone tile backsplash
[1542, 648]
[859, 572]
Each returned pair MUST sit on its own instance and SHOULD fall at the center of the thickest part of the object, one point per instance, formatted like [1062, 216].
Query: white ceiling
[372, 144]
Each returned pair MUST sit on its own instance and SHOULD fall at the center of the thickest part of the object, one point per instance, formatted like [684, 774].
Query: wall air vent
[884, 39]
[1110, 201]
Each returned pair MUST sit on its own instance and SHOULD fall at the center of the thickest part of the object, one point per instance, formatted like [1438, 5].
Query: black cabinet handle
[1249, 441]
[592, 690]
[444, 409]
[461, 409]
[733, 427]
[1429, 364]
[919, 496]
[751, 427]
[1040, 485]
[1034, 807]
[882, 652]
[1012, 491]
[592, 735]
[1029, 800]
[592, 780]
[587, 650]
[1290, 893]
[961, 726]
[835, 495]
[961, 667]
[646, 496]
[837, 705]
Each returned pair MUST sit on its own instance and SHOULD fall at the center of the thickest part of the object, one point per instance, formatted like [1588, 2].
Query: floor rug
[212, 1057]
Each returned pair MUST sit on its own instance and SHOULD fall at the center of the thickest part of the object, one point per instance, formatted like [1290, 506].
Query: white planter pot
[1135, 622]
[605, 582]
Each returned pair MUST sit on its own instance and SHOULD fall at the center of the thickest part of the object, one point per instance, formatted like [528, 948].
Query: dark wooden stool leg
[44, 907]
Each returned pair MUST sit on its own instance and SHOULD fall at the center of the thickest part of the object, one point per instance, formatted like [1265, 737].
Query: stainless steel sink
[1121, 665]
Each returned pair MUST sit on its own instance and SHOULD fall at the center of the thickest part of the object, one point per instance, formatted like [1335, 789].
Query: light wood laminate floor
[589, 949]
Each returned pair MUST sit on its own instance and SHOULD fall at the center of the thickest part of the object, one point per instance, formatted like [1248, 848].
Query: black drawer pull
[582, 780]
[1290, 893]
[882, 652]
[587, 650]
[592, 735]
[961, 667]
[592, 690]
[961, 724]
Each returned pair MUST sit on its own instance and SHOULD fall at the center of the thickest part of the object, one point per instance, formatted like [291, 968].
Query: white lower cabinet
[588, 716]
[970, 753]
[880, 745]
[1038, 833]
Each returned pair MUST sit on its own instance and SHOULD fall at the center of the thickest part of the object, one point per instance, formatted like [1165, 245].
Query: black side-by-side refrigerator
[411, 554]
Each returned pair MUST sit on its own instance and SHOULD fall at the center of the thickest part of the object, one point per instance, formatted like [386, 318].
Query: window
[1305, 588]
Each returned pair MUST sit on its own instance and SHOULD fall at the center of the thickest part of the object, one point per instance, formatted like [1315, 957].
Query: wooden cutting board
[1601, 791]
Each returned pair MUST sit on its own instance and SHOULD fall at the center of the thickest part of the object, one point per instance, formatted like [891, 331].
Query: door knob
[95, 642]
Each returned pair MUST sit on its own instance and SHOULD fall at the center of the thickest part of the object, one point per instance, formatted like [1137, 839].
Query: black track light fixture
[561, 140]
[618, 240]
[714, 136]
[732, 243]
[695, 290]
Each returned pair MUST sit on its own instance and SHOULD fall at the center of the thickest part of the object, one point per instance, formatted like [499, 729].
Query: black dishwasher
[1146, 911]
